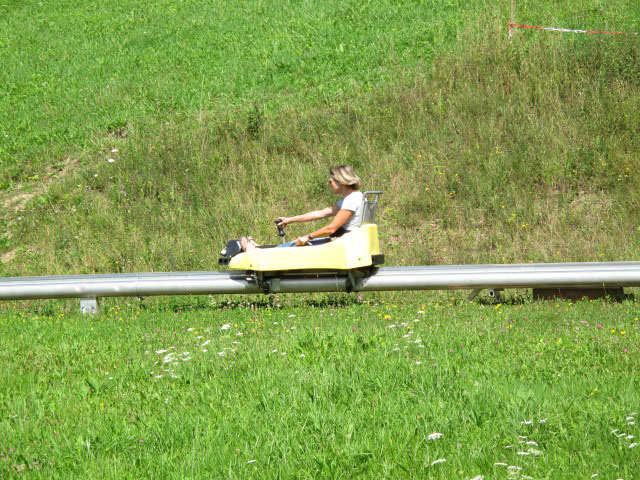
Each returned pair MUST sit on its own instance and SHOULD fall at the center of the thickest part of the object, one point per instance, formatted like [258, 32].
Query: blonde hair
[344, 175]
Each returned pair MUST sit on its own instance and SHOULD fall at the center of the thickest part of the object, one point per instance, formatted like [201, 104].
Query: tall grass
[493, 152]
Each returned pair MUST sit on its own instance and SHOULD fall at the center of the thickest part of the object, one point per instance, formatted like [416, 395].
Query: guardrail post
[89, 306]
[495, 293]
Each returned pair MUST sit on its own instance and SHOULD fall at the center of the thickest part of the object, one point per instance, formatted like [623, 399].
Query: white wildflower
[634, 444]
[478, 477]
[221, 354]
[629, 418]
[531, 442]
[526, 422]
[500, 464]
[418, 362]
[111, 160]
[435, 436]
[302, 355]
[629, 437]
[226, 326]
[614, 432]
[159, 352]
[189, 329]
[206, 343]
[274, 351]
[533, 451]
[291, 316]
[544, 420]
[514, 468]
[168, 358]
[251, 461]
[440, 460]
[114, 150]
[524, 453]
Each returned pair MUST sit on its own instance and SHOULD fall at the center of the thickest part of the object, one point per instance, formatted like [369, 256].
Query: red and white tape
[515, 25]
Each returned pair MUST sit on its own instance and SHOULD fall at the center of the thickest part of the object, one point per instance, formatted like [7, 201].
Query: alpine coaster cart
[355, 254]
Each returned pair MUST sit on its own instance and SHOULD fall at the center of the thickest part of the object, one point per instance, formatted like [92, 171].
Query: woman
[346, 213]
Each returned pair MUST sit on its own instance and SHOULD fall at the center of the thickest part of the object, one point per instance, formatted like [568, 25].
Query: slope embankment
[493, 152]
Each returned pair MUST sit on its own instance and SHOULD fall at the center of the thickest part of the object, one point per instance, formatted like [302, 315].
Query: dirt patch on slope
[15, 202]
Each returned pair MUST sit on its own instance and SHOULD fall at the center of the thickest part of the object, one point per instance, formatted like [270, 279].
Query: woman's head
[345, 176]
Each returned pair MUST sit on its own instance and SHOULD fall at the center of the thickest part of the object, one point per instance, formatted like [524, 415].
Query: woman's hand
[283, 221]
[302, 240]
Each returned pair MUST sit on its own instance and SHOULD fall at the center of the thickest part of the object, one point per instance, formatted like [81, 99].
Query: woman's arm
[339, 220]
[310, 216]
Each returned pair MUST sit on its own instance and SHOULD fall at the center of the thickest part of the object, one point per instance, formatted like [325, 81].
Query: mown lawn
[422, 388]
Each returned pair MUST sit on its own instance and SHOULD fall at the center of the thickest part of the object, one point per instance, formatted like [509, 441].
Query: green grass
[494, 152]
[326, 391]
[76, 74]
[226, 115]
[488, 151]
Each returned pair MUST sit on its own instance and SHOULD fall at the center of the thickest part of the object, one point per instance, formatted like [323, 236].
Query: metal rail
[440, 277]
[598, 274]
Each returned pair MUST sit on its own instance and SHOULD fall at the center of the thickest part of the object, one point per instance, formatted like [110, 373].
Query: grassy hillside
[488, 151]
[76, 73]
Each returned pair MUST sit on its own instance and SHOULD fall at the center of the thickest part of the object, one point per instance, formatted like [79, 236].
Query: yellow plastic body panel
[352, 250]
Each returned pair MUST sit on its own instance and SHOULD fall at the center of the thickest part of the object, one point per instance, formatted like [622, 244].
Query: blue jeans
[313, 242]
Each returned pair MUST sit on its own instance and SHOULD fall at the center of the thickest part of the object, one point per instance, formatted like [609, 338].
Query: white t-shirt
[352, 202]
